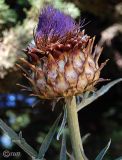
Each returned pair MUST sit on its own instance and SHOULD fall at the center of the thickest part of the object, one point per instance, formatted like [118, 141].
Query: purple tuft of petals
[53, 22]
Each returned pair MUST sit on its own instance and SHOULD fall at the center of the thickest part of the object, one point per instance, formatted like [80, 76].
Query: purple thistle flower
[56, 33]
[52, 22]
[61, 60]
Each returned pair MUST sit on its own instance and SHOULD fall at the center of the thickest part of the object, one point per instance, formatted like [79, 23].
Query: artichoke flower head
[62, 60]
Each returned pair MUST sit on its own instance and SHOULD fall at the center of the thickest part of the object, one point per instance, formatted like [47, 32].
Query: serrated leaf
[46, 143]
[62, 124]
[63, 148]
[119, 158]
[18, 139]
[8, 130]
[103, 151]
[97, 94]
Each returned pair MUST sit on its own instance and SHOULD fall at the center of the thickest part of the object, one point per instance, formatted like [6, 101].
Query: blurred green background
[103, 118]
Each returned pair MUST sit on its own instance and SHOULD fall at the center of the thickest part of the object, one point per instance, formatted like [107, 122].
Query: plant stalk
[73, 125]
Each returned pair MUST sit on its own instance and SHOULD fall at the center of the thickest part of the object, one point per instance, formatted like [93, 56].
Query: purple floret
[53, 22]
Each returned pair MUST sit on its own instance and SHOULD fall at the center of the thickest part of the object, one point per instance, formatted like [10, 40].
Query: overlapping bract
[62, 60]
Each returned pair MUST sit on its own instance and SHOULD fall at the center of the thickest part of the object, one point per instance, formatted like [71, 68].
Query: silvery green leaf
[46, 143]
[63, 148]
[97, 94]
[103, 151]
[85, 137]
[8, 130]
[18, 139]
[71, 156]
[119, 158]
[62, 124]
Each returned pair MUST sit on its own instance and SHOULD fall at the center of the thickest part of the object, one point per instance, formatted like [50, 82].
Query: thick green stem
[74, 128]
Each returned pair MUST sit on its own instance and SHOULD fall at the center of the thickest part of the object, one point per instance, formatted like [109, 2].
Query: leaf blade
[18, 139]
[46, 143]
[63, 148]
[98, 94]
[103, 151]
[62, 124]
